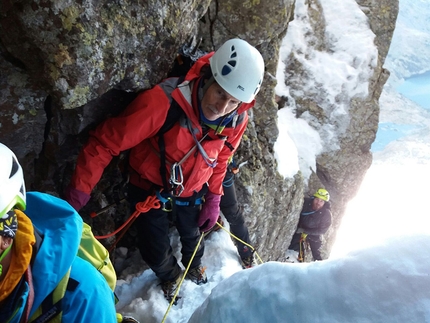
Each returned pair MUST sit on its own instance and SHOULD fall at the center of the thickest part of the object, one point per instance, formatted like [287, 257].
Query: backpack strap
[173, 115]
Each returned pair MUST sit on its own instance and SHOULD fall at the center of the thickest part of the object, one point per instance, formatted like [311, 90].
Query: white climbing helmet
[12, 186]
[238, 68]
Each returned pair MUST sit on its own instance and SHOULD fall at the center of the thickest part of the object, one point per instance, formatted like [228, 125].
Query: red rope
[151, 202]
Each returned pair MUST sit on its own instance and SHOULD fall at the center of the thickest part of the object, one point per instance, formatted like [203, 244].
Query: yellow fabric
[96, 254]
[58, 294]
[21, 254]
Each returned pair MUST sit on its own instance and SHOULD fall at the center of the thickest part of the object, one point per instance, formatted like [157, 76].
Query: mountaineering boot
[169, 289]
[248, 262]
[197, 275]
[246, 256]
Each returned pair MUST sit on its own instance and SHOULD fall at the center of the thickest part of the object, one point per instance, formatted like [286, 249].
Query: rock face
[66, 66]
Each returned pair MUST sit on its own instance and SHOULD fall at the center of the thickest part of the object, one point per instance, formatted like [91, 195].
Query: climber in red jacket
[190, 160]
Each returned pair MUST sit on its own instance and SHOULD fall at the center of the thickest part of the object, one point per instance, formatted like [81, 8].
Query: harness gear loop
[151, 202]
[182, 279]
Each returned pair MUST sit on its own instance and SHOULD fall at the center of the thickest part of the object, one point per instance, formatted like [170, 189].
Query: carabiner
[176, 177]
[177, 190]
[163, 205]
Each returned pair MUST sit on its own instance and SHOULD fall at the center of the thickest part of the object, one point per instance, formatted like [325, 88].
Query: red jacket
[136, 129]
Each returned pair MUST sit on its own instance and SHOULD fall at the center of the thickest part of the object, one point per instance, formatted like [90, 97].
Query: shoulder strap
[173, 115]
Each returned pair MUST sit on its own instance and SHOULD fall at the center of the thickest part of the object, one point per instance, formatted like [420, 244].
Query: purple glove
[210, 212]
[76, 198]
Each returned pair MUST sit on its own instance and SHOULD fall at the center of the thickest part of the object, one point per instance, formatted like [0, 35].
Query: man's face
[216, 102]
[317, 203]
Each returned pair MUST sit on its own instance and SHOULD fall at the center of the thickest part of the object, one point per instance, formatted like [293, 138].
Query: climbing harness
[167, 201]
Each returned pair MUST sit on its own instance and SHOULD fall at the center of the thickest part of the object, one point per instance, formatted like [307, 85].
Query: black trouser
[153, 237]
[314, 242]
[233, 214]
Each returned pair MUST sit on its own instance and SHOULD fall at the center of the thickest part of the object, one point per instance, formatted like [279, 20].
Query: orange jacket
[136, 129]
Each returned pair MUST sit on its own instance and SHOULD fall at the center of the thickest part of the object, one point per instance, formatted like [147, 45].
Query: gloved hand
[303, 236]
[210, 212]
[76, 198]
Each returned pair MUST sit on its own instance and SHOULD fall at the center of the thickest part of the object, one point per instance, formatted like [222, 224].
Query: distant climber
[315, 219]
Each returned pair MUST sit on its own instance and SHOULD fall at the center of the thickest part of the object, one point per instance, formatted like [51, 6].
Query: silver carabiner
[176, 179]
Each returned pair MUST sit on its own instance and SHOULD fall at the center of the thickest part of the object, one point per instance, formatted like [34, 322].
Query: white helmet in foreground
[12, 187]
[238, 68]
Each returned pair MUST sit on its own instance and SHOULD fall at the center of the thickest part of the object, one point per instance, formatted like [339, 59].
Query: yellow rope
[302, 243]
[182, 279]
[246, 244]
[192, 257]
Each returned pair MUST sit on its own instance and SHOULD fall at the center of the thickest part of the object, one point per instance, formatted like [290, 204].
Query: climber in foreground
[37, 257]
[315, 219]
[183, 165]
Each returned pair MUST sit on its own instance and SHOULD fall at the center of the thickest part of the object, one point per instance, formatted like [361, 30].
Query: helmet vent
[257, 88]
[226, 70]
[15, 167]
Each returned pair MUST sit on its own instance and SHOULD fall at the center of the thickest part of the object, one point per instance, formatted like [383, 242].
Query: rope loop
[151, 202]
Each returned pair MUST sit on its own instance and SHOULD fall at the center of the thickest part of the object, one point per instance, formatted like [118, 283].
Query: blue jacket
[61, 227]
